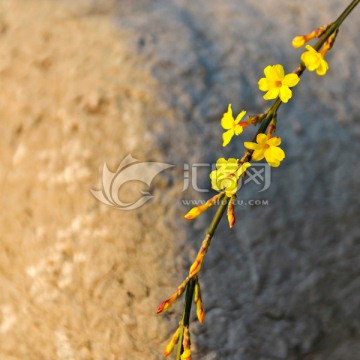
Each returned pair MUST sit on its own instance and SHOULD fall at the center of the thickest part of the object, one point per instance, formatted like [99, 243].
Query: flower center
[278, 83]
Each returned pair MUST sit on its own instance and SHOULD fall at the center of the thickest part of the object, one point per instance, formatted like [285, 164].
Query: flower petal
[310, 60]
[276, 152]
[238, 129]
[269, 72]
[258, 154]
[227, 136]
[274, 141]
[261, 139]
[240, 116]
[285, 94]
[323, 68]
[227, 120]
[272, 94]
[279, 71]
[243, 168]
[311, 49]
[264, 84]
[291, 80]
[251, 145]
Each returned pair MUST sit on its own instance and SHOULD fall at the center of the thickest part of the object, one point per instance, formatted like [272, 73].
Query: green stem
[185, 321]
[336, 24]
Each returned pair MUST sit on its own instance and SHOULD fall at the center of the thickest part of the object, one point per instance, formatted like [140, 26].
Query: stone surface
[96, 81]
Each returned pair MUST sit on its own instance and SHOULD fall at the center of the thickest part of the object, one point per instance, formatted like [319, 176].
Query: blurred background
[88, 82]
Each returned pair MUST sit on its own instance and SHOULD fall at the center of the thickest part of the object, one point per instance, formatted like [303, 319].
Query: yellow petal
[311, 49]
[275, 163]
[279, 71]
[231, 190]
[261, 139]
[240, 116]
[323, 68]
[268, 71]
[250, 145]
[232, 162]
[227, 120]
[272, 94]
[243, 168]
[276, 153]
[238, 129]
[264, 84]
[285, 94]
[271, 160]
[291, 80]
[227, 136]
[274, 141]
[214, 180]
[258, 154]
[220, 163]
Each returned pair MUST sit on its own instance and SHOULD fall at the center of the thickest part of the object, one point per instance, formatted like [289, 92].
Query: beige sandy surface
[78, 279]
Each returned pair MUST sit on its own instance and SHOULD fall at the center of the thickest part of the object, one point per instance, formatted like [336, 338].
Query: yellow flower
[268, 148]
[314, 60]
[276, 83]
[233, 127]
[227, 174]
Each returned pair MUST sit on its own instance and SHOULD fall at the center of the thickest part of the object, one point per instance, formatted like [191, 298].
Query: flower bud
[170, 346]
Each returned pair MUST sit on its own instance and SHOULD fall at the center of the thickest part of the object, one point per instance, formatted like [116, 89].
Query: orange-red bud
[230, 212]
[166, 304]
[196, 211]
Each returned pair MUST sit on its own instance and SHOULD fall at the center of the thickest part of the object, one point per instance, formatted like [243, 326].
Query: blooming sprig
[268, 148]
[276, 83]
[227, 174]
[231, 125]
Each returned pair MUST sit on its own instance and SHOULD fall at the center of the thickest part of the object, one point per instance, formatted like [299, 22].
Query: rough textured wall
[81, 280]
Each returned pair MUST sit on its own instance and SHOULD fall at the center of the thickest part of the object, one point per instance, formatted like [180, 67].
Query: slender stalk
[336, 24]
[185, 321]
[191, 284]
